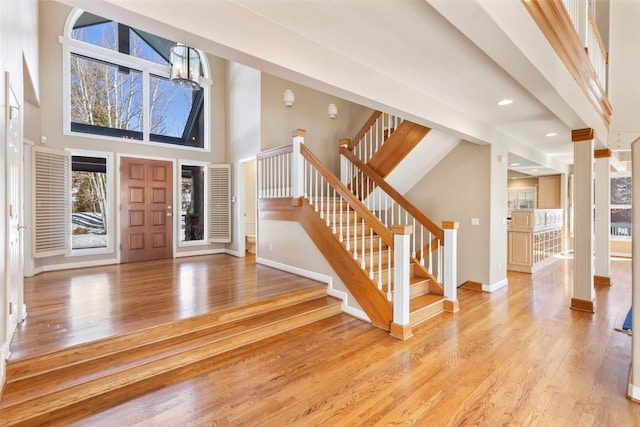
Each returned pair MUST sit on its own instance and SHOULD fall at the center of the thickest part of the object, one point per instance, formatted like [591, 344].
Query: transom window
[119, 87]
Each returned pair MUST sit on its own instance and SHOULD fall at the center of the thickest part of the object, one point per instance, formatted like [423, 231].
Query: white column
[583, 290]
[297, 170]
[603, 217]
[633, 390]
[450, 265]
[401, 326]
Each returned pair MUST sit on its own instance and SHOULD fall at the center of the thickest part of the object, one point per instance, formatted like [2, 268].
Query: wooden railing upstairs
[295, 172]
[373, 134]
[570, 27]
[584, 23]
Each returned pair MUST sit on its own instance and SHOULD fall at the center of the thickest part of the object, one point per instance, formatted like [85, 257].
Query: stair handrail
[373, 134]
[394, 194]
[348, 196]
[365, 128]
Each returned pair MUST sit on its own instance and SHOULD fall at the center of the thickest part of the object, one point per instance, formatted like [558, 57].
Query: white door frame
[241, 205]
[14, 278]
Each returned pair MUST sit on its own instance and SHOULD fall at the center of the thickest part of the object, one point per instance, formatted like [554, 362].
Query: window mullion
[146, 110]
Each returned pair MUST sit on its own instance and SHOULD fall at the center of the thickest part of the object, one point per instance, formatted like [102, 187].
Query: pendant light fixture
[185, 65]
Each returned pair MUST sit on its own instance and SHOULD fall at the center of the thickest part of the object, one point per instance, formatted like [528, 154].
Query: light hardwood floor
[516, 357]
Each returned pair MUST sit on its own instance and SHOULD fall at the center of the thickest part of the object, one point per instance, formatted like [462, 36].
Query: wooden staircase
[46, 388]
[427, 298]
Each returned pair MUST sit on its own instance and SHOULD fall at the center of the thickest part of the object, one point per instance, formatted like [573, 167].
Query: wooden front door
[146, 211]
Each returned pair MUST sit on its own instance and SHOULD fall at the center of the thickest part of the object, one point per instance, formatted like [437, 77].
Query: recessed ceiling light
[514, 164]
[505, 102]
[534, 170]
[551, 134]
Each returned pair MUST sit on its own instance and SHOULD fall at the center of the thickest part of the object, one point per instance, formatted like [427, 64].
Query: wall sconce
[289, 98]
[332, 111]
[185, 65]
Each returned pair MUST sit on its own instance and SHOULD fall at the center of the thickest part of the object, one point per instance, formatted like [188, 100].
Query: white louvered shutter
[219, 203]
[51, 171]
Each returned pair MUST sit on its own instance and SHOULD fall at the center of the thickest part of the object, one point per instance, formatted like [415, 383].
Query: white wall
[309, 113]
[624, 62]
[286, 243]
[498, 218]
[243, 136]
[458, 189]
[19, 58]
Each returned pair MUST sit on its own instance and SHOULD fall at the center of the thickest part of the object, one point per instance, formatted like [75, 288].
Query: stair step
[424, 307]
[143, 364]
[39, 364]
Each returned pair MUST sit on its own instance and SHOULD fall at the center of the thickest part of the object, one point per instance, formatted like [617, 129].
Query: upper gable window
[118, 86]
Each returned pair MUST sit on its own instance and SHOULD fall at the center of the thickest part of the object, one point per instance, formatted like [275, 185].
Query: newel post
[297, 165]
[450, 266]
[344, 163]
[401, 326]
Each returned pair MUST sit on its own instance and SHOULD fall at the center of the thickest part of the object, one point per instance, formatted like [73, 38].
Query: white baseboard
[234, 253]
[633, 391]
[496, 286]
[355, 312]
[201, 252]
[84, 264]
[620, 254]
[4, 355]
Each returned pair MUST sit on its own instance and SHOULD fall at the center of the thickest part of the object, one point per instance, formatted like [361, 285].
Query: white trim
[205, 196]
[82, 264]
[633, 391]
[234, 253]
[109, 249]
[321, 278]
[202, 252]
[4, 355]
[241, 203]
[621, 254]
[496, 286]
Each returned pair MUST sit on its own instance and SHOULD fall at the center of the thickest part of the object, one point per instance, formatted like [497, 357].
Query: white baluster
[315, 190]
[279, 176]
[355, 235]
[362, 263]
[430, 269]
[422, 245]
[380, 254]
[413, 238]
[348, 235]
[371, 253]
[333, 229]
[328, 216]
[389, 273]
[321, 197]
[439, 246]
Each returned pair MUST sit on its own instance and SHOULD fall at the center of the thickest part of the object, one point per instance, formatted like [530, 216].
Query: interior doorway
[247, 206]
[146, 214]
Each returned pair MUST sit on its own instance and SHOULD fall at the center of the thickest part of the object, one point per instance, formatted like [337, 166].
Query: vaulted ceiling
[443, 63]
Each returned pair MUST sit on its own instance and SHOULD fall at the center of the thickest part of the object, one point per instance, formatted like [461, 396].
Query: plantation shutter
[219, 203]
[51, 171]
